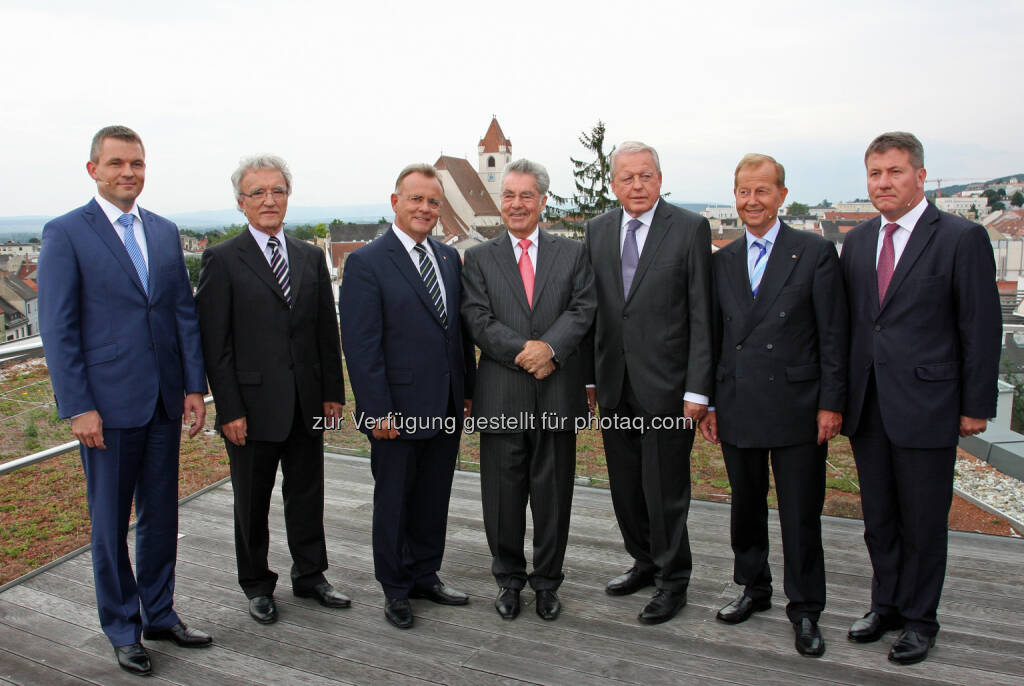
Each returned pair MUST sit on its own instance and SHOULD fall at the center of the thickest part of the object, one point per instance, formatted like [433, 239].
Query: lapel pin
[794, 256]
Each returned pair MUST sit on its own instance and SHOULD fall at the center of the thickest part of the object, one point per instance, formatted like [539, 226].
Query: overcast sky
[348, 93]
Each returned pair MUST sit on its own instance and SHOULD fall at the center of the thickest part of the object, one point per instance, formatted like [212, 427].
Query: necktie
[526, 270]
[134, 252]
[280, 268]
[759, 264]
[430, 281]
[886, 261]
[630, 255]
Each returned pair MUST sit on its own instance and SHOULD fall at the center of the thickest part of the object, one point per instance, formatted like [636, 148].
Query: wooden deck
[49, 633]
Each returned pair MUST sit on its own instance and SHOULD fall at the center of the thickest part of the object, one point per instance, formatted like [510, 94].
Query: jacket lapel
[403, 263]
[785, 254]
[505, 257]
[250, 254]
[661, 224]
[919, 239]
[547, 252]
[739, 277]
[449, 276]
[101, 225]
[296, 265]
[612, 254]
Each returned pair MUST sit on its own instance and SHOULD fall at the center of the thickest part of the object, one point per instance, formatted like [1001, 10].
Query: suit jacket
[401, 358]
[110, 347]
[500, 321]
[782, 356]
[261, 354]
[661, 331]
[934, 343]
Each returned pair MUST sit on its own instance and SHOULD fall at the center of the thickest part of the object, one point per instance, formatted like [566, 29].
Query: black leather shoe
[134, 658]
[325, 594]
[662, 607]
[440, 594]
[630, 582]
[872, 627]
[263, 609]
[507, 603]
[910, 648]
[398, 611]
[740, 609]
[548, 605]
[182, 635]
[808, 638]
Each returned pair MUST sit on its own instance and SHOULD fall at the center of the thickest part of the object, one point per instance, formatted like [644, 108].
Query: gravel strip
[987, 484]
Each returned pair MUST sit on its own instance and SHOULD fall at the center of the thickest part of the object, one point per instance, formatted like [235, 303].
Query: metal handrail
[56, 450]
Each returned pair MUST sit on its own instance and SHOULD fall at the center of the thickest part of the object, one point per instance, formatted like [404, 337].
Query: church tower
[495, 152]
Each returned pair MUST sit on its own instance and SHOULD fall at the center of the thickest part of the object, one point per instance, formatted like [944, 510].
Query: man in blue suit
[412, 376]
[122, 344]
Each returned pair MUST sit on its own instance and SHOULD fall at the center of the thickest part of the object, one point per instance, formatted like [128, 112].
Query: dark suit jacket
[400, 357]
[500, 321]
[260, 352]
[782, 356]
[934, 343]
[108, 346]
[661, 332]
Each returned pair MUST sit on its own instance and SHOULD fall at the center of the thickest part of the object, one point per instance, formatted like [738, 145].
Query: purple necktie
[886, 261]
[630, 255]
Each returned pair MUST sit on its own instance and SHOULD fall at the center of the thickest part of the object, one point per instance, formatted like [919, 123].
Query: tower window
[490, 161]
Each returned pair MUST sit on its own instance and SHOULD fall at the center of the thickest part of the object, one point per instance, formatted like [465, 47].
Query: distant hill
[953, 190]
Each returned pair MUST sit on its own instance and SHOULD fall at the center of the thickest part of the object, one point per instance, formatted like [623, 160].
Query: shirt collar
[646, 218]
[113, 212]
[771, 236]
[910, 219]
[532, 237]
[407, 241]
[262, 238]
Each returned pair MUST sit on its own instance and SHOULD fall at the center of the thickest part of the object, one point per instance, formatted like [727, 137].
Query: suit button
[782, 314]
[769, 346]
[625, 316]
[878, 327]
[771, 378]
[728, 319]
[739, 347]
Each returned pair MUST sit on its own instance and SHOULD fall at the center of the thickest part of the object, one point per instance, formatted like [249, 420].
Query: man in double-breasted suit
[780, 350]
[270, 334]
[412, 376]
[529, 303]
[652, 367]
[925, 330]
[122, 345]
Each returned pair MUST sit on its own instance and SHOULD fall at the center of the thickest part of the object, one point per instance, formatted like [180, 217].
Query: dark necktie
[630, 255]
[430, 281]
[134, 251]
[886, 261]
[280, 268]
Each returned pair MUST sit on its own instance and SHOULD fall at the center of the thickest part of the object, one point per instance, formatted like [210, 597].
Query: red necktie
[886, 261]
[526, 270]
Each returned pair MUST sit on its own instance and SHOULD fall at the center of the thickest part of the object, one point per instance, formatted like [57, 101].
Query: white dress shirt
[768, 239]
[410, 247]
[901, 235]
[641, 232]
[113, 212]
[262, 239]
[532, 251]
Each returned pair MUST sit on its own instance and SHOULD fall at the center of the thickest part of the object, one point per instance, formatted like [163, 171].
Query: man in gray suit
[528, 303]
[652, 367]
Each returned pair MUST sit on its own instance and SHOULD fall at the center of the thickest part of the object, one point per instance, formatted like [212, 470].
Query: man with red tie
[925, 330]
[529, 301]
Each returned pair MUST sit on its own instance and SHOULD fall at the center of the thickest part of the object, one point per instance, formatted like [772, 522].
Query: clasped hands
[537, 358]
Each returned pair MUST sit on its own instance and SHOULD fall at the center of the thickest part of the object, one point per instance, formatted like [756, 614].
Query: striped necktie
[430, 281]
[280, 268]
[134, 251]
[759, 264]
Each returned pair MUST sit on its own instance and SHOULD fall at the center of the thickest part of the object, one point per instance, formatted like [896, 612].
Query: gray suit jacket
[497, 316]
[661, 331]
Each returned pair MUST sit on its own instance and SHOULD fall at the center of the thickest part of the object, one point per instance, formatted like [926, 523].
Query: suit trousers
[799, 472]
[906, 494]
[140, 462]
[412, 486]
[536, 467]
[649, 474]
[253, 472]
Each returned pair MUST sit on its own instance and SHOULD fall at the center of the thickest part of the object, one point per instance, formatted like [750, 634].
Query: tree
[192, 264]
[383, 220]
[593, 184]
[825, 203]
[797, 209]
[219, 235]
[35, 239]
[1018, 199]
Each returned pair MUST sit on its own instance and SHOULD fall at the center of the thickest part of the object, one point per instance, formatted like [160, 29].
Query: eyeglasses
[260, 194]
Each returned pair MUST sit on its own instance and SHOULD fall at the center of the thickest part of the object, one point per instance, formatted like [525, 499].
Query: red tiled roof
[469, 184]
[451, 223]
[494, 138]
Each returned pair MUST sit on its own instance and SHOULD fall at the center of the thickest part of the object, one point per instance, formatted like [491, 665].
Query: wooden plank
[15, 669]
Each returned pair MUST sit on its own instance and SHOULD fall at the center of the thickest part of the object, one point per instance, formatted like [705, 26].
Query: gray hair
[534, 169]
[122, 133]
[900, 140]
[256, 162]
[417, 168]
[632, 148]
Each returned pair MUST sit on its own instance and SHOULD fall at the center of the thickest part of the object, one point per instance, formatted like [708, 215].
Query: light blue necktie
[134, 252]
[759, 265]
